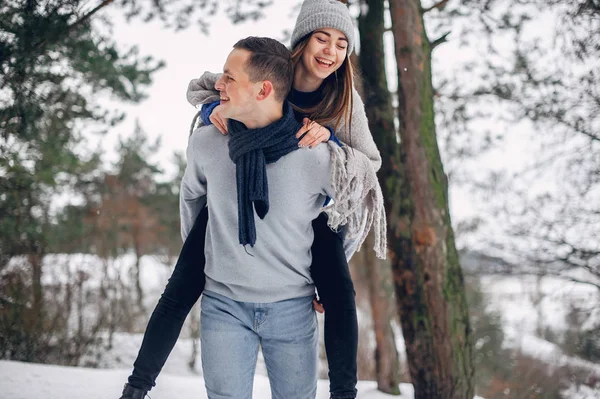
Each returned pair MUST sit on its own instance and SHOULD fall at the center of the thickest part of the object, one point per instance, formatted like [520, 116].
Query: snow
[581, 392]
[528, 302]
[125, 350]
[552, 354]
[29, 381]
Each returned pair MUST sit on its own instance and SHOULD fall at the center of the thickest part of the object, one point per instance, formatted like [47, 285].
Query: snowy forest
[487, 117]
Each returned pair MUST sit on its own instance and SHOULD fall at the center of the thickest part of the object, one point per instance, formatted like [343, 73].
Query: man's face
[238, 94]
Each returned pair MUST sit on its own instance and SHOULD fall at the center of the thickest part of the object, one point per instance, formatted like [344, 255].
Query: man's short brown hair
[269, 60]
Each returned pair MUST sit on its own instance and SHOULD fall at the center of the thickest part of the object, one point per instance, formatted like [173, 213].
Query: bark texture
[428, 278]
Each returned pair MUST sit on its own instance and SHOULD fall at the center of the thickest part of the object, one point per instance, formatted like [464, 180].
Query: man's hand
[318, 306]
[217, 120]
[314, 134]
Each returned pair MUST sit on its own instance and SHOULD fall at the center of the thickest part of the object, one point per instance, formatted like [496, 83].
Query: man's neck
[304, 81]
[264, 116]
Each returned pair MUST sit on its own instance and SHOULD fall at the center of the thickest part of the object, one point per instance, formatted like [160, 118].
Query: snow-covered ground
[37, 381]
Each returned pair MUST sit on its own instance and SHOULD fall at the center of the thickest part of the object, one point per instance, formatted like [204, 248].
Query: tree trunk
[138, 286]
[379, 110]
[36, 284]
[36, 349]
[427, 275]
[379, 280]
[137, 272]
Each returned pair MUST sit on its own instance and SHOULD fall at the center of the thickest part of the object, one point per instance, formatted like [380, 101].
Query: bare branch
[438, 5]
[573, 279]
[439, 40]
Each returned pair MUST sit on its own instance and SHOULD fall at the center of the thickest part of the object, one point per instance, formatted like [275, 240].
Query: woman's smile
[324, 63]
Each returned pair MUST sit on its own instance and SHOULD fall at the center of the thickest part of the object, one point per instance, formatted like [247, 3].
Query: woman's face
[325, 52]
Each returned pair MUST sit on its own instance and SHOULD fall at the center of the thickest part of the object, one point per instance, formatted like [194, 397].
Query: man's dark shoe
[130, 392]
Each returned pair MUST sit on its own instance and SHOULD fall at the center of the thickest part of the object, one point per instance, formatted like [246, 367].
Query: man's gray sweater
[277, 267]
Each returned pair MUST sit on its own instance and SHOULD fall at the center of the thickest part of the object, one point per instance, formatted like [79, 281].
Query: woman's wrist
[206, 111]
[333, 137]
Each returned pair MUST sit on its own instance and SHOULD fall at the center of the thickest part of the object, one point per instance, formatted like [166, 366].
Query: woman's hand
[313, 133]
[217, 120]
[318, 306]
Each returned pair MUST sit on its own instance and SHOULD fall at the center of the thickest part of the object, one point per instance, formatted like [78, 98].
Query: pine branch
[79, 22]
[90, 14]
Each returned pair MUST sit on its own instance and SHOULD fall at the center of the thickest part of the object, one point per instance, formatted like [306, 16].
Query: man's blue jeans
[231, 333]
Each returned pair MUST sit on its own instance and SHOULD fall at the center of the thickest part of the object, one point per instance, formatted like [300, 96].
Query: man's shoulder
[314, 156]
[321, 151]
[206, 136]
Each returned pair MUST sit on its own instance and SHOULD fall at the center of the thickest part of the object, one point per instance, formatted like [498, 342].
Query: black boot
[130, 392]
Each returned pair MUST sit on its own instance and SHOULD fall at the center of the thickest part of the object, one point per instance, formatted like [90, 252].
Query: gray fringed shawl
[358, 202]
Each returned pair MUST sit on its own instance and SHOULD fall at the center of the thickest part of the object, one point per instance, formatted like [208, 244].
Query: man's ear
[265, 91]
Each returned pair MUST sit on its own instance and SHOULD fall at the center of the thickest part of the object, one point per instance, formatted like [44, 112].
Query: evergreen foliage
[53, 66]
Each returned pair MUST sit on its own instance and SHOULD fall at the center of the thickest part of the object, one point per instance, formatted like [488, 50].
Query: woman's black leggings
[329, 271]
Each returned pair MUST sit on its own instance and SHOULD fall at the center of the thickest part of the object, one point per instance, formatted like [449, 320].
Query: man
[262, 194]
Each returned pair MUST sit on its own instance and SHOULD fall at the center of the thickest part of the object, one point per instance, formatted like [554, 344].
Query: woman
[322, 41]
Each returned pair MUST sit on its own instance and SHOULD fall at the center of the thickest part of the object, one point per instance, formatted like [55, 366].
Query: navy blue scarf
[251, 150]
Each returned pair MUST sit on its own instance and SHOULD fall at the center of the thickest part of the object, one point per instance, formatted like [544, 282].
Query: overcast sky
[187, 54]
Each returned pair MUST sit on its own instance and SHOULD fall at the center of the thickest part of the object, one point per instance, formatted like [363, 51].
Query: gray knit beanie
[318, 14]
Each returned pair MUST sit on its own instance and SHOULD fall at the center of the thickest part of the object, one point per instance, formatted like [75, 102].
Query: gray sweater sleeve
[202, 90]
[192, 196]
[359, 137]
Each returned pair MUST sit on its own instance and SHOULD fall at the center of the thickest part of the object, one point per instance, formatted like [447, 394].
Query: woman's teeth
[324, 62]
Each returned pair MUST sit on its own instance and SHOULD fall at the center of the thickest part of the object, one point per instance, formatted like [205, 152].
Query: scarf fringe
[358, 200]
[194, 124]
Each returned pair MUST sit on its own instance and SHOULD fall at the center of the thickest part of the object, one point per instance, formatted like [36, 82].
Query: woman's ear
[265, 91]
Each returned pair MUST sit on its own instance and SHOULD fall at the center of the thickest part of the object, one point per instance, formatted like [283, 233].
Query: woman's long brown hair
[336, 104]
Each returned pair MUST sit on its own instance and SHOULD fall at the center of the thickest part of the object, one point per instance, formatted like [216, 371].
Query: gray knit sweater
[358, 200]
[277, 267]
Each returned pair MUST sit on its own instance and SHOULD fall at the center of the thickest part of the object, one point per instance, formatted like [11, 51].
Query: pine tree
[53, 65]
